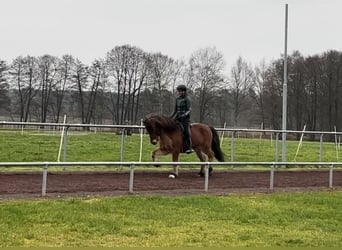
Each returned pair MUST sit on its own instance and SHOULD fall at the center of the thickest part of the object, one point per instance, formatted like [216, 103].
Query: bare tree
[261, 77]
[164, 72]
[205, 76]
[63, 83]
[4, 86]
[273, 94]
[127, 71]
[80, 84]
[296, 91]
[24, 80]
[241, 81]
[48, 68]
[313, 76]
[96, 82]
[332, 83]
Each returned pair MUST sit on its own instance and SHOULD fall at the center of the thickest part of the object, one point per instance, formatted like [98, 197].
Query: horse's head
[158, 124]
[152, 129]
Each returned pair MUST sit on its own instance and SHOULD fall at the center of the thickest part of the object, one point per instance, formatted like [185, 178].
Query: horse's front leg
[175, 158]
[154, 157]
[157, 152]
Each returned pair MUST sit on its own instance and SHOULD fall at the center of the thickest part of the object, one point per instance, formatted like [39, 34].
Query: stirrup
[189, 151]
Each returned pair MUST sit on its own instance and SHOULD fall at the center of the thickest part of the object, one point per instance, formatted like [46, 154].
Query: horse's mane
[166, 123]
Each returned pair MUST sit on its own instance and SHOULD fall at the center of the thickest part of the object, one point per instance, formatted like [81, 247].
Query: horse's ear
[148, 116]
[146, 119]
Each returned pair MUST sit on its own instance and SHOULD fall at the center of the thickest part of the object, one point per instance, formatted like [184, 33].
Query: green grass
[30, 146]
[283, 219]
[38, 146]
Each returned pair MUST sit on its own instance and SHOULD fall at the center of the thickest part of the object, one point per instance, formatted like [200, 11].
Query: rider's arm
[174, 114]
[188, 107]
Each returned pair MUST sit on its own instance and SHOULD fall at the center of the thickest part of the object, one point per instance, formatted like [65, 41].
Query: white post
[61, 141]
[260, 136]
[131, 178]
[331, 176]
[141, 139]
[285, 91]
[44, 181]
[206, 176]
[122, 154]
[336, 145]
[222, 135]
[272, 177]
[300, 143]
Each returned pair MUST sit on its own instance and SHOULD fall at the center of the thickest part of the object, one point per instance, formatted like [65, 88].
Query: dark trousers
[186, 131]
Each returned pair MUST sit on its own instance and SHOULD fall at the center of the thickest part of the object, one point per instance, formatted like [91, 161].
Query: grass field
[37, 146]
[283, 219]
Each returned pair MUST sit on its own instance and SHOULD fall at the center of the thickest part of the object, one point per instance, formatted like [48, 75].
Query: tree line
[130, 83]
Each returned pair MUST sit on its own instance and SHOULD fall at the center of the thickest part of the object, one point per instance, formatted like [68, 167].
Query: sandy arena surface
[66, 184]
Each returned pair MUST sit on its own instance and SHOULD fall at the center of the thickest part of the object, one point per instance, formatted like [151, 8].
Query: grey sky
[88, 29]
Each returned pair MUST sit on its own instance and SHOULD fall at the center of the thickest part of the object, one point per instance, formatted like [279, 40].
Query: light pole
[285, 90]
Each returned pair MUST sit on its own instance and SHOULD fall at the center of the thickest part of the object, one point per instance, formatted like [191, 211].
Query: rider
[182, 114]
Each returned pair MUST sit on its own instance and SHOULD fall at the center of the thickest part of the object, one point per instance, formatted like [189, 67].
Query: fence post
[232, 147]
[276, 149]
[65, 144]
[320, 149]
[206, 175]
[272, 177]
[141, 131]
[331, 176]
[131, 178]
[45, 170]
[122, 153]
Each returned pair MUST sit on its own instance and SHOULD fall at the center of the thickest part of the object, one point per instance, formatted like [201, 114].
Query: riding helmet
[181, 88]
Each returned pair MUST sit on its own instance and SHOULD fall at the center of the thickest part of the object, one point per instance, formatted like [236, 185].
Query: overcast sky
[88, 29]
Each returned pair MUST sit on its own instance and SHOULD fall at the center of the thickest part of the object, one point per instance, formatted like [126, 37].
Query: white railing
[272, 165]
[132, 165]
[124, 128]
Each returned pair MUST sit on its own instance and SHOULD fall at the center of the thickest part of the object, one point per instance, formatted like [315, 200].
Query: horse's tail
[215, 145]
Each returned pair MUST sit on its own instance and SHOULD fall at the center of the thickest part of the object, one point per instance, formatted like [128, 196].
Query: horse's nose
[154, 141]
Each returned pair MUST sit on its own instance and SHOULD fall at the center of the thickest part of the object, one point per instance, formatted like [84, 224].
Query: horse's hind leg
[202, 158]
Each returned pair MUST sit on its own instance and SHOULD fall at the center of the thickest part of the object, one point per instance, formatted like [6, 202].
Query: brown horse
[169, 134]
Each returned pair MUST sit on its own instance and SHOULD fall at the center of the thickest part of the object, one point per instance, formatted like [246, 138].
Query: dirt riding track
[21, 185]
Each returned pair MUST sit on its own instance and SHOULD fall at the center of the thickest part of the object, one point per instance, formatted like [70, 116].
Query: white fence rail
[272, 165]
[132, 165]
[140, 128]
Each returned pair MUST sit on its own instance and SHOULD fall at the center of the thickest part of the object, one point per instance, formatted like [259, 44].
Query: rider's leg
[187, 137]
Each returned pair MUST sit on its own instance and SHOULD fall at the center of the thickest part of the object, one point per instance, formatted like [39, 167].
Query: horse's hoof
[201, 174]
[172, 176]
[210, 171]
